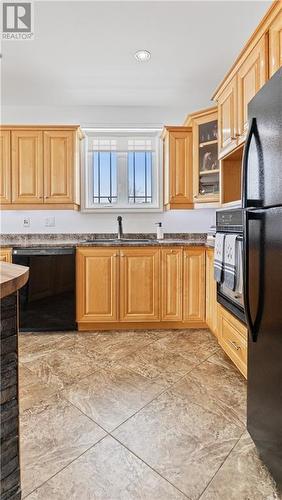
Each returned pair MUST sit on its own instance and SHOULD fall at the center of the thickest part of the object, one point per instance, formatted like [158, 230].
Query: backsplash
[67, 221]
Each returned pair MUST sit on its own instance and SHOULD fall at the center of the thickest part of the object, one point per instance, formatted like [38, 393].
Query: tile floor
[135, 415]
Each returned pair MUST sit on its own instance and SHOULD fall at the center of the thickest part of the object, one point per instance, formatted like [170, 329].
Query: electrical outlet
[26, 222]
[50, 221]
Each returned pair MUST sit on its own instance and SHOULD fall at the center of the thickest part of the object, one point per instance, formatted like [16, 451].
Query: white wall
[75, 222]
[67, 221]
[95, 116]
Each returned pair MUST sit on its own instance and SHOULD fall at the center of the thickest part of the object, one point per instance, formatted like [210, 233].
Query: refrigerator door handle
[253, 326]
[245, 164]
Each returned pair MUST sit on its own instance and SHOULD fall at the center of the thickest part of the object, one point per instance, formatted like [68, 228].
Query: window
[122, 170]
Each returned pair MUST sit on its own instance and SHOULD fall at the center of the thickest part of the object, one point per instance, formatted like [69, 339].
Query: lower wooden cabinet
[149, 286]
[6, 255]
[194, 285]
[139, 284]
[172, 284]
[96, 285]
[211, 292]
[233, 338]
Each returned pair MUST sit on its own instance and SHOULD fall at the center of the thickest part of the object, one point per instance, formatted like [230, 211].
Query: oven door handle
[253, 325]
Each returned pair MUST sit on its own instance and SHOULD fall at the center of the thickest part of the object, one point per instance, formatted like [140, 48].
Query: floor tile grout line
[148, 465]
[63, 468]
[83, 413]
[221, 465]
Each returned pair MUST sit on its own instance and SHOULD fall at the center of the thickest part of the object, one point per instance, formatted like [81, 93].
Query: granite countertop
[95, 239]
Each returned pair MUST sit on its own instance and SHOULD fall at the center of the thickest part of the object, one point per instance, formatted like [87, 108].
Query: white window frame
[87, 203]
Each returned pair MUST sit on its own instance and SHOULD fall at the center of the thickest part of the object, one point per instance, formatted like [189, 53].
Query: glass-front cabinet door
[205, 156]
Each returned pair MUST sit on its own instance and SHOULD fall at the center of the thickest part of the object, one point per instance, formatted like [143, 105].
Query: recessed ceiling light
[142, 55]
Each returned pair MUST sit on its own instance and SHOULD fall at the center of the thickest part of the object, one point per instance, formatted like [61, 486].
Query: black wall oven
[231, 221]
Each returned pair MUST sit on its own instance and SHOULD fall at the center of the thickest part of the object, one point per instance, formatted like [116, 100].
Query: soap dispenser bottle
[160, 233]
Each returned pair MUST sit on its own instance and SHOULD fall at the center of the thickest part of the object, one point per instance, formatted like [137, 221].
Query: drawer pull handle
[235, 346]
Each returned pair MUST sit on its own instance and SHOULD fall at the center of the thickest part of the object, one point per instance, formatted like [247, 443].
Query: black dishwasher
[47, 301]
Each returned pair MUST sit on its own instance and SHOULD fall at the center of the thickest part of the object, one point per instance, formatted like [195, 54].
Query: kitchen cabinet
[252, 75]
[211, 292]
[227, 118]
[194, 285]
[234, 98]
[172, 284]
[139, 284]
[58, 166]
[275, 44]
[97, 284]
[233, 338]
[40, 167]
[5, 170]
[27, 166]
[205, 155]
[259, 60]
[144, 287]
[177, 155]
[6, 255]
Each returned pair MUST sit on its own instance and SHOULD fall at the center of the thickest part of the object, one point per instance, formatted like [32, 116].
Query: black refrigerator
[262, 208]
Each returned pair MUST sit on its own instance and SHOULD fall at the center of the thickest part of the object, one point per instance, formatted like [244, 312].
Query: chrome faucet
[120, 231]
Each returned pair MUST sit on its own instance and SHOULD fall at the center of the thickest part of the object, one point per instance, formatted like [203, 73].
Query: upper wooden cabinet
[194, 285]
[172, 284]
[252, 75]
[227, 118]
[234, 98]
[27, 166]
[39, 167]
[96, 284]
[178, 167]
[58, 166]
[275, 44]
[5, 170]
[258, 61]
[205, 155]
[139, 284]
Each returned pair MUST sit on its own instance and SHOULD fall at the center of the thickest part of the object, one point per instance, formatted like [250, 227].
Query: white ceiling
[83, 52]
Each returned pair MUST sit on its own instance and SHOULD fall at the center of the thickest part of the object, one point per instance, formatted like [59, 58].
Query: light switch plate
[26, 222]
[50, 221]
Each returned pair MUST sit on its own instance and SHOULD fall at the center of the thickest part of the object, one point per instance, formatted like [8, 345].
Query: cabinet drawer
[233, 341]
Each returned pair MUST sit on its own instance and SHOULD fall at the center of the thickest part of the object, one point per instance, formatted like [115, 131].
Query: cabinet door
[232, 336]
[194, 285]
[59, 166]
[6, 255]
[211, 293]
[140, 284]
[27, 166]
[252, 75]
[227, 118]
[96, 284]
[172, 264]
[205, 158]
[275, 44]
[178, 168]
[5, 167]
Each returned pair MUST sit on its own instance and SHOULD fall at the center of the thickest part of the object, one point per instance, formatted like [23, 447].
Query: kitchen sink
[116, 240]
